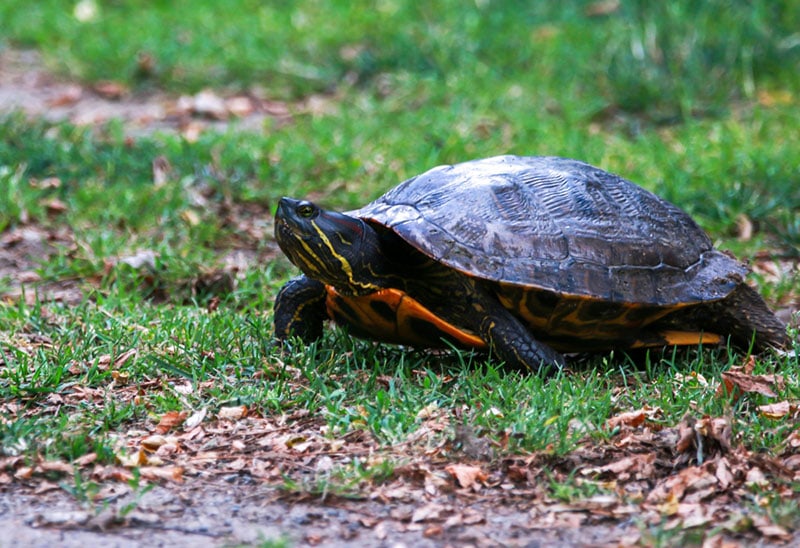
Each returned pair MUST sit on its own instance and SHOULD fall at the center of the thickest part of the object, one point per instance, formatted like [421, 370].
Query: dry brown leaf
[138, 458]
[744, 228]
[46, 486]
[433, 531]
[431, 511]
[116, 473]
[466, 475]
[209, 104]
[196, 418]
[54, 206]
[170, 420]
[769, 529]
[686, 434]
[755, 477]
[239, 106]
[110, 89]
[639, 466]
[380, 531]
[121, 377]
[152, 443]
[55, 466]
[777, 410]
[233, 413]
[716, 429]
[737, 381]
[723, 473]
[707, 435]
[719, 541]
[123, 358]
[601, 7]
[629, 418]
[170, 473]
[23, 472]
[69, 96]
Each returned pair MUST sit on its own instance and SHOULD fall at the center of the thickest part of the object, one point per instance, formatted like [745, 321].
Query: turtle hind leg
[508, 338]
[746, 318]
[300, 309]
[510, 341]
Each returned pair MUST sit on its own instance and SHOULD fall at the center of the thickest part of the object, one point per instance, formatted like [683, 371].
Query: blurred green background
[696, 100]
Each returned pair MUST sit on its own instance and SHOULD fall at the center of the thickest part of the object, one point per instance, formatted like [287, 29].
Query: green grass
[674, 96]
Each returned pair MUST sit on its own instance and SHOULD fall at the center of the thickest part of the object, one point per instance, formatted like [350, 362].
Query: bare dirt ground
[215, 515]
[446, 497]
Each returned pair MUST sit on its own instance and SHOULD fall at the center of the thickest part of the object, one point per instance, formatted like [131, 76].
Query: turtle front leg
[300, 309]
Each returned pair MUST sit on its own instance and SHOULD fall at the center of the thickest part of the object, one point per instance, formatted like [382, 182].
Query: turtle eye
[305, 210]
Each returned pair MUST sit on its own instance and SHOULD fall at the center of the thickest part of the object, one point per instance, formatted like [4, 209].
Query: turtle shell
[557, 225]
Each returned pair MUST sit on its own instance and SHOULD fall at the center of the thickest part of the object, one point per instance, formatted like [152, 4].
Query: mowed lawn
[138, 271]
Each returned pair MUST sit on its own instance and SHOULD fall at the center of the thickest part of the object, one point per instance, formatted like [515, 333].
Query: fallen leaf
[723, 473]
[123, 358]
[209, 104]
[190, 217]
[427, 512]
[121, 377]
[380, 530]
[233, 413]
[777, 410]
[737, 379]
[152, 443]
[69, 96]
[466, 475]
[110, 89]
[23, 472]
[769, 529]
[64, 519]
[45, 487]
[85, 460]
[169, 473]
[429, 411]
[196, 418]
[239, 106]
[630, 418]
[145, 259]
[55, 466]
[756, 478]
[55, 206]
[601, 7]
[708, 436]
[433, 531]
[170, 420]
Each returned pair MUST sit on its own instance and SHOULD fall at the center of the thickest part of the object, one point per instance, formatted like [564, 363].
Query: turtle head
[331, 247]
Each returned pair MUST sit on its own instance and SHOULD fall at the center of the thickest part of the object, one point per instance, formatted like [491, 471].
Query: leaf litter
[691, 476]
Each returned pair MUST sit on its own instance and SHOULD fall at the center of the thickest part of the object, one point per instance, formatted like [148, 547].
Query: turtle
[527, 257]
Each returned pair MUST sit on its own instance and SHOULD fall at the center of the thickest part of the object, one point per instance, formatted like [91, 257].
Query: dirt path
[230, 513]
[27, 86]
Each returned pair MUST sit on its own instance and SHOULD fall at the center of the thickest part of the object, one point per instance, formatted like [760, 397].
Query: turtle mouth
[288, 238]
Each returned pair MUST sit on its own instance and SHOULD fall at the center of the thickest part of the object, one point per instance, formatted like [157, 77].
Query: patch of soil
[26, 85]
[233, 513]
[22, 250]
